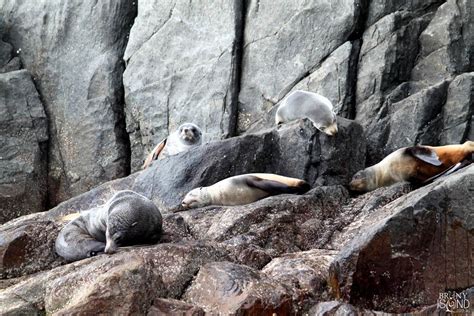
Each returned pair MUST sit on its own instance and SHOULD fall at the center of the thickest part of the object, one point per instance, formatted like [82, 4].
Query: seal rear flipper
[424, 154]
[154, 153]
[449, 171]
[275, 187]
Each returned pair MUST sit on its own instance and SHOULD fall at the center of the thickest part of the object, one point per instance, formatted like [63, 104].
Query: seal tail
[275, 187]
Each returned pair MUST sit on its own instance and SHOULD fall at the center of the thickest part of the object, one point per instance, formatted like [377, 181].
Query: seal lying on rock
[128, 218]
[188, 135]
[243, 189]
[418, 164]
[303, 104]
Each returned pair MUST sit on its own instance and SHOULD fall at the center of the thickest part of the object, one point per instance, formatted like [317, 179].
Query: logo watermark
[453, 302]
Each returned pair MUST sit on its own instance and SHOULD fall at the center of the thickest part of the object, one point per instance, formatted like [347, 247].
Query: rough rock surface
[384, 250]
[23, 141]
[402, 69]
[181, 68]
[407, 61]
[279, 52]
[412, 249]
[74, 53]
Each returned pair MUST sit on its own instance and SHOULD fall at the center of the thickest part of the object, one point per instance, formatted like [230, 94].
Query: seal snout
[111, 247]
[331, 130]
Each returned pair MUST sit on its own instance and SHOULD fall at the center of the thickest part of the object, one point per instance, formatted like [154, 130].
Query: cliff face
[88, 88]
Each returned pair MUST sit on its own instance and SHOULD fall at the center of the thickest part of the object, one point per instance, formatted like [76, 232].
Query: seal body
[128, 218]
[185, 137]
[418, 164]
[243, 189]
[303, 104]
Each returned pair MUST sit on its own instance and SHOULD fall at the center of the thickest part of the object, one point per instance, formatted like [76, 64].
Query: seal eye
[92, 253]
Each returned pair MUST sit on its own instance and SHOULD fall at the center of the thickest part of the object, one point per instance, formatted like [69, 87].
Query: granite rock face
[74, 53]
[23, 147]
[407, 61]
[398, 73]
[279, 50]
[181, 68]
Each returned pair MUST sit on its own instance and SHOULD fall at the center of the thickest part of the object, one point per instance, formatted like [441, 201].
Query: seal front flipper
[275, 187]
[424, 154]
[449, 171]
[154, 153]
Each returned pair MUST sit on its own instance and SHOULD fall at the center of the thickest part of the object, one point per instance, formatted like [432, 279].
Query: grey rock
[379, 8]
[279, 52]
[23, 141]
[181, 68]
[410, 250]
[295, 150]
[338, 308]
[443, 52]
[73, 52]
[458, 110]
[330, 79]
[8, 62]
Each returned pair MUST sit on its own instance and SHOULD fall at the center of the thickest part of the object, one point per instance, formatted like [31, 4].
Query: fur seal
[128, 218]
[186, 136]
[418, 164]
[304, 104]
[243, 189]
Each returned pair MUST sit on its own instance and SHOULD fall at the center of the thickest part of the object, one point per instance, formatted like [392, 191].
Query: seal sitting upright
[186, 136]
[243, 189]
[418, 164]
[304, 104]
[128, 218]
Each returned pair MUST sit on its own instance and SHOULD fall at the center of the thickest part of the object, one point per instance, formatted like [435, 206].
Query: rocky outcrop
[390, 249]
[407, 61]
[279, 51]
[74, 53]
[23, 141]
[402, 69]
[182, 67]
[412, 249]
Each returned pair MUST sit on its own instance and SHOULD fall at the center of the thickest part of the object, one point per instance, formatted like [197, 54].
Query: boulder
[8, 60]
[305, 273]
[163, 306]
[279, 51]
[336, 308]
[23, 147]
[127, 282]
[294, 150]
[74, 53]
[182, 67]
[228, 288]
[410, 250]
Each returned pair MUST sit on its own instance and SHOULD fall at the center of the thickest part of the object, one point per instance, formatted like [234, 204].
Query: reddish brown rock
[412, 249]
[305, 274]
[172, 307]
[227, 288]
